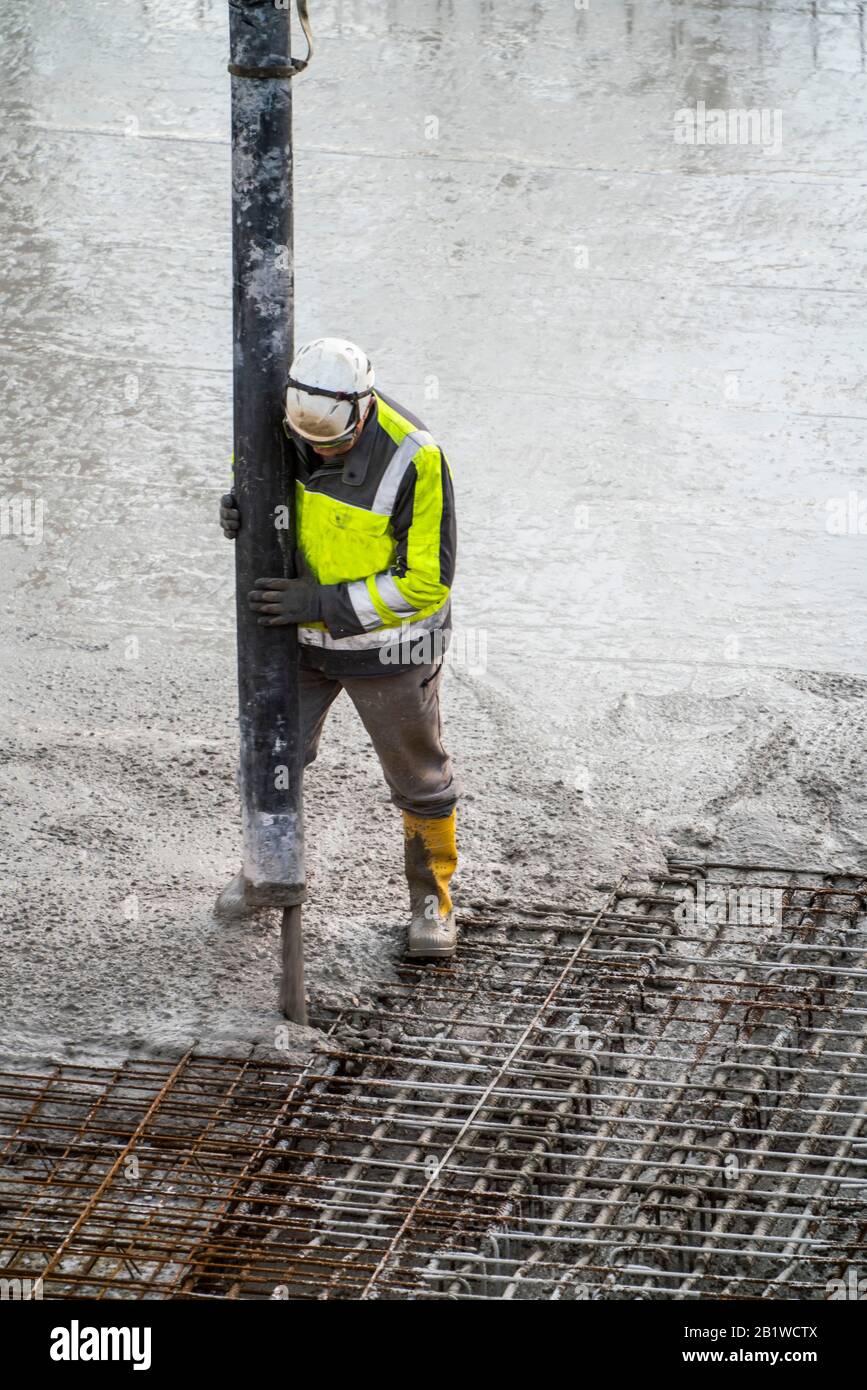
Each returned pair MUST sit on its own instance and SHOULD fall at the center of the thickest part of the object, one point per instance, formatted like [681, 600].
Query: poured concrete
[645, 361]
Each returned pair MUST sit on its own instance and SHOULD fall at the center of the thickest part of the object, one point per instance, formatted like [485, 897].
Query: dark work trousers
[401, 713]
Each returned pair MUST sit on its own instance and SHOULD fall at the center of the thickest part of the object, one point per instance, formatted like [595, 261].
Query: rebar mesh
[661, 1096]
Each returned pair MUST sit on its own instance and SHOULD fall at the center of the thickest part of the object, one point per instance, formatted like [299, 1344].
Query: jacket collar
[358, 459]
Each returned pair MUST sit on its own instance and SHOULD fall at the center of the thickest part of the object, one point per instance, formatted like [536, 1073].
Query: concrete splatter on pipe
[262, 261]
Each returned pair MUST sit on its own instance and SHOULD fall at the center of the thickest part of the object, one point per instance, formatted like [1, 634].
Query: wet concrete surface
[645, 360]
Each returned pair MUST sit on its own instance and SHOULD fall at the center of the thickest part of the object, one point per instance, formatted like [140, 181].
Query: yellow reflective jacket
[376, 528]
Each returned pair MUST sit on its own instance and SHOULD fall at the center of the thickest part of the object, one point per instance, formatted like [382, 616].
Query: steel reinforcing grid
[659, 1095]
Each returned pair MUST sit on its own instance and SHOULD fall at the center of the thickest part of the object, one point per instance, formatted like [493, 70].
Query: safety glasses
[326, 444]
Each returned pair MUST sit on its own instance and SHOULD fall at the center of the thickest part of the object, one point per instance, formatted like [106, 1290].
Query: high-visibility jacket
[376, 527]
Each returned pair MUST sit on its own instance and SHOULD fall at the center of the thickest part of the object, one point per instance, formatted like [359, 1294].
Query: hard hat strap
[323, 391]
[353, 396]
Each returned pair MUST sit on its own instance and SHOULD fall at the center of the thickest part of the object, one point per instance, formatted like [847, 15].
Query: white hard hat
[328, 382]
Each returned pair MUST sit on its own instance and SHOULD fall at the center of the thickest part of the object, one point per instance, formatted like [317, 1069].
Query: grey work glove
[283, 601]
[230, 517]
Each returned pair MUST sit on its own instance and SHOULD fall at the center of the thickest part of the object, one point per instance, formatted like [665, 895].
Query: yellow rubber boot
[431, 856]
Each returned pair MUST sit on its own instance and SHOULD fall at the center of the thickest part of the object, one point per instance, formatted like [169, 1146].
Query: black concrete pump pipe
[262, 262]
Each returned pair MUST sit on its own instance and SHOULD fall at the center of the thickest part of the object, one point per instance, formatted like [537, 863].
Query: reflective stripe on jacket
[376, 528]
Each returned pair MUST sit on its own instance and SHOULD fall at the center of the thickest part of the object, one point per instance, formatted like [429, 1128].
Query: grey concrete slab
[644, 358]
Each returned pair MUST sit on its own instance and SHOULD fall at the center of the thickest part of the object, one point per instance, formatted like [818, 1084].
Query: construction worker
[375, 530]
